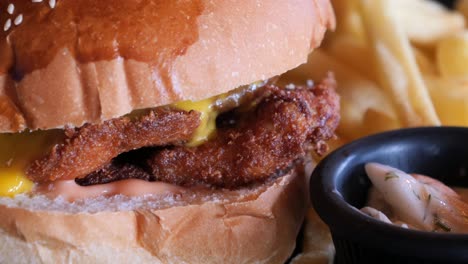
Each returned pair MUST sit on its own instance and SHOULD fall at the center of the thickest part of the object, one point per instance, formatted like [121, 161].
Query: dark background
[447, 2]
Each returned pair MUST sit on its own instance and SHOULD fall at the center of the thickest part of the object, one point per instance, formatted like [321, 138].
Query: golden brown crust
[258, 227]
[283, 127]
[89, 148]
[236, 43]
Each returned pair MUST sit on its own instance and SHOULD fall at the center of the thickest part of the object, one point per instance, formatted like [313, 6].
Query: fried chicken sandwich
[146, 131]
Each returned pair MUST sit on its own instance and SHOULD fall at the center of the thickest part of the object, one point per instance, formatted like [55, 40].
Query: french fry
[426, 64]
[353, 52]
[425, 22]
[462, 7]
[452, 55]
[396, 64]
[450, 99]
[348, 19]
[318, 246]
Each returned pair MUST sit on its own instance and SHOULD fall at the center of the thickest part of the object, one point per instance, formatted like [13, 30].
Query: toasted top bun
[253, 225]
[69, 62]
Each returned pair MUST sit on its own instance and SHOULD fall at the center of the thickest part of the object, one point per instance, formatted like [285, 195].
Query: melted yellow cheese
[13, 182]
[209, 112]
[17, 150]
[207, 127]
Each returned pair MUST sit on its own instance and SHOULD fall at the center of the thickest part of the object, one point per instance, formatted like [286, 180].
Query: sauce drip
[143, 30]
[71, 191]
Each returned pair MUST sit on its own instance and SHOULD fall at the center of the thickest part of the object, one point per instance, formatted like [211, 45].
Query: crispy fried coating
[130, 165]
[253, 146]
[92, 146]
[115, 171]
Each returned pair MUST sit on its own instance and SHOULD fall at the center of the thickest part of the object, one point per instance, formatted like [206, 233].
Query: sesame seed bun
[70, 62]
[73, 62]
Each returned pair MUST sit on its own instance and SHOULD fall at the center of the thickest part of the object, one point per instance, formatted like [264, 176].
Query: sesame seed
[18, 20]
[37, 1]
[7, 25]
[52, 3]
[11, 9]
[310, 83]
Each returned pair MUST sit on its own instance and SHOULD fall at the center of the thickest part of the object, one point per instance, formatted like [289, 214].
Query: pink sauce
[71, 191]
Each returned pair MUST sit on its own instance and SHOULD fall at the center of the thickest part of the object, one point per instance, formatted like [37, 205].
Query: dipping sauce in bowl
[414, 201]
[340, 187]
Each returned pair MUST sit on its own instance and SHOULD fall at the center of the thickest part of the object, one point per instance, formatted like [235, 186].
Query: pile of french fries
[398, 63]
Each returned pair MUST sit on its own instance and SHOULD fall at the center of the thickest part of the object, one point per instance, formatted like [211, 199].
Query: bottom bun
[258, 224]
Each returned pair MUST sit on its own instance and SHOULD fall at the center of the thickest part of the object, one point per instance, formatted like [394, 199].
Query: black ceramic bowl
[339, 185]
